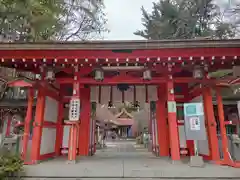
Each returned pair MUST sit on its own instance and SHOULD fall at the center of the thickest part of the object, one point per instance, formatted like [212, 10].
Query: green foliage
[221, 73]
[40, 20]
[10, 164]
[185, 19]
[29, 20]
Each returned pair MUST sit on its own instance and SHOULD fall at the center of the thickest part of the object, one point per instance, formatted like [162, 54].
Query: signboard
[74, 110]
[193, 109]
[194, 121]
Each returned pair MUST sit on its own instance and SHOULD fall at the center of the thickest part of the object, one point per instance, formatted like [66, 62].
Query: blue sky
[124, 17]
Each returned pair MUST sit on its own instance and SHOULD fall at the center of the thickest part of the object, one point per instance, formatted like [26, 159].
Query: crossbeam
[136, 81]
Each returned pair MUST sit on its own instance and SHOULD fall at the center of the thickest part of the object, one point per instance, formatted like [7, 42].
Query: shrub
[10, 165]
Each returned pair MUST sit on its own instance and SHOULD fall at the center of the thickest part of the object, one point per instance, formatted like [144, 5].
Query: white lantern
[99, 75]
[147, 75]
[50, 75]
[38, 76]
[198, 73]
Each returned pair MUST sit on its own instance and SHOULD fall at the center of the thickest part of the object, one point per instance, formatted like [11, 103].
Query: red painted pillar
[72, 143]
[84, 129]
[37, 125]
[226, 156]
[211, 124]
[28, 119]
[59, 129]
[172, 121]
[162, 126]
[73, 134]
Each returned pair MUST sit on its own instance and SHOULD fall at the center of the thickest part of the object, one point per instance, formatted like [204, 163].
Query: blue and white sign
[193, 109]
[194, 121]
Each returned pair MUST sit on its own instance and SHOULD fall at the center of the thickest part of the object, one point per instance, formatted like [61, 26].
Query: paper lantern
[147, 75]
[99, 75]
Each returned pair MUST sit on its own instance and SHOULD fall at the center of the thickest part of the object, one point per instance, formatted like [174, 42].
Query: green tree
[29, 20]
[185, 19]
[44, 20]
[40, 20]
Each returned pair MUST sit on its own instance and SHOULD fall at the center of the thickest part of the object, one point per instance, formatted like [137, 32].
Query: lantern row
[152, 59]
[164, 64]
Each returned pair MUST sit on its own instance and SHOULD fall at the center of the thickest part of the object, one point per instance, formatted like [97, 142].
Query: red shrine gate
[167, 65]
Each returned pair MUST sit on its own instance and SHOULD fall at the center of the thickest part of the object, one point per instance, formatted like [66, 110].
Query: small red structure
[124, 122]
[67, 70]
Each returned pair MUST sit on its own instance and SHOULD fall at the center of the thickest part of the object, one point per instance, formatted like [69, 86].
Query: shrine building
[74, 79]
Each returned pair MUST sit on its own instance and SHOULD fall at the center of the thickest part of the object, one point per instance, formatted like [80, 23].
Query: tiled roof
[124, 122]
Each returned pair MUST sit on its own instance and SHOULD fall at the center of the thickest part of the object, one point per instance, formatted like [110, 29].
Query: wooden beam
[27, 56]
[132, 80]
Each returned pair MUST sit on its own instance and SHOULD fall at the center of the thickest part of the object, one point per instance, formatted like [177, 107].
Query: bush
[10, 165]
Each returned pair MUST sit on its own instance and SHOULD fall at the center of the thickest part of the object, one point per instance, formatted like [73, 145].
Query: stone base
[176, 162]
[196, 161]
[71, 162]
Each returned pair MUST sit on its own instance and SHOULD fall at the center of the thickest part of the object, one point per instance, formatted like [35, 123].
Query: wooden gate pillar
[172, 121]
[84, 127]
[211, 125]
[73, 133]
[226, 157]
[162, 124]
[37, 125]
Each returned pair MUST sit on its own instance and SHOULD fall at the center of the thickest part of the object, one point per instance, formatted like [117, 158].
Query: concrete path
[122, 159]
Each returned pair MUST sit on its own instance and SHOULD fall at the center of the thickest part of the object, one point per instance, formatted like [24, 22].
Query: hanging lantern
[198, 73]
[50, 75]
[99, 75]
[38, 77]
[147, 75]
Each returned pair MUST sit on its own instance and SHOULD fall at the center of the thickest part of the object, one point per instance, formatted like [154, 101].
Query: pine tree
[185, 19]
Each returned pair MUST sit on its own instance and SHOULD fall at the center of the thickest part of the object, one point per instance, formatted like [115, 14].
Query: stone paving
[122, 159]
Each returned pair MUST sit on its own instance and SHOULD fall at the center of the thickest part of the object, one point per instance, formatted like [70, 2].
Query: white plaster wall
[48, 141]
[66, 131]
[51, 110]
[182, 136]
